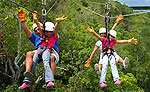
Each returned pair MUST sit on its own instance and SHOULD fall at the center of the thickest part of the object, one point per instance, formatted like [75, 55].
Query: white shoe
[126, 62]
[99, 72]
[96, 67]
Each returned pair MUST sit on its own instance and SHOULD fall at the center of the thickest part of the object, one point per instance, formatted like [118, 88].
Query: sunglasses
[112, 36]
[36, 29]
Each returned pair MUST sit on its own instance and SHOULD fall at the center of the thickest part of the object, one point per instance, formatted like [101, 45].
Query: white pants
[115, 54]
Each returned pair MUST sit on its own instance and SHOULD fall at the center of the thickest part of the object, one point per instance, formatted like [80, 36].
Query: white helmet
[49, 26]
[34, 25]
[102, 30]
[113, 33]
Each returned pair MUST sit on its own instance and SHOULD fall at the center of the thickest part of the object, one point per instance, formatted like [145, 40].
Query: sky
[135, 2]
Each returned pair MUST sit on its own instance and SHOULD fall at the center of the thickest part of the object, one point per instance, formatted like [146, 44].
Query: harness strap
[108, 55]
[107, 23]
[107, 51]
[43, 16]
[40, 54]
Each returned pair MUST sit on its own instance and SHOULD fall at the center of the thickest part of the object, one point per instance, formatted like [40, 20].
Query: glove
[35, 19]
[132, 40]
[119, 18]
[87, 63]
[91, 30]
[22, 15]
[61, 19]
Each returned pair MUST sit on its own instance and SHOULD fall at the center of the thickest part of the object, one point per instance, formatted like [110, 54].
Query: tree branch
[37, 81]
[7, 75]
[19, 46]
[62, 68]
[4, 18]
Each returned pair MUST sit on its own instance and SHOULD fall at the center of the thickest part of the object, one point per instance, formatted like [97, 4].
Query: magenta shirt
[51, 41]
[112, 43]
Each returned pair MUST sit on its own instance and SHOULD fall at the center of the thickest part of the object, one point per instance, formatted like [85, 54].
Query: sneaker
[126, 62]
[44, 86]
[28, 74]
[96, 67]
[50, 84]
[99, 72]
[103, 85]
[118, 82]
[24, 85]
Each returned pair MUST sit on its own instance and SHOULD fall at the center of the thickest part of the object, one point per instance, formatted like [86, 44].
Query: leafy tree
[76, 45]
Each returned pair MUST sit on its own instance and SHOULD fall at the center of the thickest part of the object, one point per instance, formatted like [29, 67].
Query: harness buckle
[109, 51]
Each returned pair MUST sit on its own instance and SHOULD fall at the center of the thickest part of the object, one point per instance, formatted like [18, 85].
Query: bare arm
[94, 50]
[132, 40]
[55, 29]
[99, 37]
[26, 29]
[114, 26]
[22, 16]
[40, 29]
[94, 33]
[121, 41]
[117, 21]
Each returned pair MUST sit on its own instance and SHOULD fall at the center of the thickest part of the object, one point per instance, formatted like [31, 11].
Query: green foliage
[76, 45]
[13, 88]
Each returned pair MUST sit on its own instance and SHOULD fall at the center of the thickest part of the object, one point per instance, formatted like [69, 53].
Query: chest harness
[45, 38]
[107, 50]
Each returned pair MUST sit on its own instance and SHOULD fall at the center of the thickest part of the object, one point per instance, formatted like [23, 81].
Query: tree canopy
[75, 44]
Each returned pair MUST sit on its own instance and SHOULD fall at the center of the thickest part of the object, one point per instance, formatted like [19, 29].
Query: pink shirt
[51, 41]
[112, 43]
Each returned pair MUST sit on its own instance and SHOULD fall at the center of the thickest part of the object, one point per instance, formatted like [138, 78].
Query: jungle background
[75, 45]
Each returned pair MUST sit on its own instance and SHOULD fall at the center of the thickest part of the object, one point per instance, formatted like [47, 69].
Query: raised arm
[58, 20]
[35, 20]
[55, 29]
[94, 33]
[132, 40]
[22, 20]
[117, 21]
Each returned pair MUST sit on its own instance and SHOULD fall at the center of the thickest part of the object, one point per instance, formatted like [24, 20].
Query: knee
[52, 59]
[30, 54]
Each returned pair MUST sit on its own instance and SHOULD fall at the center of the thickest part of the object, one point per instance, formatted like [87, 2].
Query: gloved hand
[132, 40]
[119, 18]
[61, 19]
[91, 30]
[87, 63]
[35, 19]
[22, 15]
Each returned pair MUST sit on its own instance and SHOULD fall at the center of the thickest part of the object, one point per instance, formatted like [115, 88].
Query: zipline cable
[127, 15]
[25, 7]
[89, 9]
[133, 14]
[51, 7]
[94, 2]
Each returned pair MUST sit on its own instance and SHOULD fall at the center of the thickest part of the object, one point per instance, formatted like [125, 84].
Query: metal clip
[43, 2]
[43, 12]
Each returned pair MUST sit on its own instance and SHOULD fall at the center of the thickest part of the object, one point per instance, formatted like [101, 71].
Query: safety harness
[44, 17]
[107, 50]
[45, 38]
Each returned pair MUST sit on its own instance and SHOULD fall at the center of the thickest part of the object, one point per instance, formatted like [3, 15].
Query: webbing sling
[107, 24]
[107, 50]
[44, 17]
